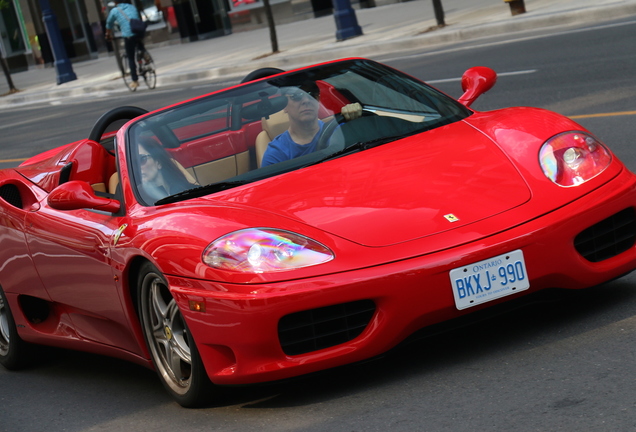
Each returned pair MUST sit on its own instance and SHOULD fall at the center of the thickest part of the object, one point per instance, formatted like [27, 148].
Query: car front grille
[609, 237]
[316, 329]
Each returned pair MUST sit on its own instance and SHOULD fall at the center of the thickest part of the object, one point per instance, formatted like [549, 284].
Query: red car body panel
[381, 211]
[351, 205]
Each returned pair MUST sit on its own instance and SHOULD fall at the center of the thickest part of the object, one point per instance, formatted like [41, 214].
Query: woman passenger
[160, 176]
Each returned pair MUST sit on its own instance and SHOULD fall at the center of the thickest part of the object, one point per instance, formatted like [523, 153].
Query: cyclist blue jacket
[116, 16]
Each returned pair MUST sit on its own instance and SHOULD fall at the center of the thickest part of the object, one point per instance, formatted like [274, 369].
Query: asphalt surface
[399, 27]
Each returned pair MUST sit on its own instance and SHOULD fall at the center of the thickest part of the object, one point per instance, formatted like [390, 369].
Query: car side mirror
[76, 194]
[475, 82]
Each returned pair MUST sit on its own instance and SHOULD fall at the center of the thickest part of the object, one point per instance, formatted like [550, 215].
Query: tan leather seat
[113, 182]
[272, 127]
[188, 175]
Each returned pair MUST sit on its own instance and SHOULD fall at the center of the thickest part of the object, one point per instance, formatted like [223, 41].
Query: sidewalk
[388, 29]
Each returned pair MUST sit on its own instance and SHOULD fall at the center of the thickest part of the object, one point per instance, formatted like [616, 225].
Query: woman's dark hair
[171, 173]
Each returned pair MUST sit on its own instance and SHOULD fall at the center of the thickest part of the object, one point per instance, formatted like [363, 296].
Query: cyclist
[121, 15]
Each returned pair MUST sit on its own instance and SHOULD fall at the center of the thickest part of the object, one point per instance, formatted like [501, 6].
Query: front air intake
[316, 329]
[609, 237]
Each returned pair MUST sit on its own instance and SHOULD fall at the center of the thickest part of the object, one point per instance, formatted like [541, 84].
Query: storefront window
[10, 29]
[75, 19]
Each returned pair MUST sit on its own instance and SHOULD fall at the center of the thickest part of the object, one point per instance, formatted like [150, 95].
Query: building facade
[24, 42]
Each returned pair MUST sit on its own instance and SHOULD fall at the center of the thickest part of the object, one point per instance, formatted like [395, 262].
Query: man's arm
[110, 22]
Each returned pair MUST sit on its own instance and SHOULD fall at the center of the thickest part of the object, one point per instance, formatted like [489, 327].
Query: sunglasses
[300, 94]
[143, 158]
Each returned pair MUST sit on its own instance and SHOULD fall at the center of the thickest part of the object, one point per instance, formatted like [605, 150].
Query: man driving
[304, 130]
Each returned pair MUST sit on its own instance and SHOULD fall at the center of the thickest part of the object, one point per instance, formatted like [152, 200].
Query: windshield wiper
[201, 191]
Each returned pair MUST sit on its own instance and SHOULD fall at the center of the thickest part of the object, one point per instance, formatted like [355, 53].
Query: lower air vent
[315, 329]
[608, 238]
[11, 194]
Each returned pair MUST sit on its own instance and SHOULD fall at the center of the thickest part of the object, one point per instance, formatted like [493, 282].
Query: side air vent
[316, 329]
[35, 309]
[11, 194]
[609, 237]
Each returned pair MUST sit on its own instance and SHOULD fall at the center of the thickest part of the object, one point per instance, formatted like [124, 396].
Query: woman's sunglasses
[143, 158]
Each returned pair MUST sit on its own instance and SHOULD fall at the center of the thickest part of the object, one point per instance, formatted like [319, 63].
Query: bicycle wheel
[148, 70]
[150, 77]
[126, 72]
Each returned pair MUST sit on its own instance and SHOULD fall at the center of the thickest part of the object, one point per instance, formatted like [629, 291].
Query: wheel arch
[130, 289]
[131, 276]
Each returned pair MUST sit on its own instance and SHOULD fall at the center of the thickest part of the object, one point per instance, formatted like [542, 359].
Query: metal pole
[62, 63]
[439, 13]
[516, 6]
[7, 74]
[272, 25]
[346, 21]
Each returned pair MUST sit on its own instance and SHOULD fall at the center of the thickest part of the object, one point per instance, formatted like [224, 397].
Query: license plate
[489, 279]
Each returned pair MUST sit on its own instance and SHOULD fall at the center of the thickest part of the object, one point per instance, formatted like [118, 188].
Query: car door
[71, 252]
[17, 272]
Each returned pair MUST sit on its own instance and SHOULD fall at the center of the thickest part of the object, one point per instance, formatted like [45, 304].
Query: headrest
[276, 124]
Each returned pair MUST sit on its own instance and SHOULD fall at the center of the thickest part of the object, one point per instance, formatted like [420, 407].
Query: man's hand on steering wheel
[347, 113]
[351, 111]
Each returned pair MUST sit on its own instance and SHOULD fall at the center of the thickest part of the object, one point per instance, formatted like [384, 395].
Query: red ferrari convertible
[300, 221]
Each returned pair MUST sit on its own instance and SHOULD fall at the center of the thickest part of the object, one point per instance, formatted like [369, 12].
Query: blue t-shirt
[284, 148]
[117, 16]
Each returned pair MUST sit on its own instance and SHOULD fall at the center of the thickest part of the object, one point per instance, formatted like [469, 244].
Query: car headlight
[262, 250]
[572, 158]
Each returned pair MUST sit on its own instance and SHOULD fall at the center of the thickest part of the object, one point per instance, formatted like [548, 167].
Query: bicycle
[145, 68]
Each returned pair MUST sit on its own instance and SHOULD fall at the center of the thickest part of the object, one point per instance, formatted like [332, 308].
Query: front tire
[174, 353]
[150, 77]
[13, 350]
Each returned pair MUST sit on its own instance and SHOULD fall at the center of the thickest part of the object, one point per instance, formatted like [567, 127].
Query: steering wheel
[109, 117]
[330, 128]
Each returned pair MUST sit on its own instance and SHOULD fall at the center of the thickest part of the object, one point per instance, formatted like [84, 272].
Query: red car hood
[412, 188]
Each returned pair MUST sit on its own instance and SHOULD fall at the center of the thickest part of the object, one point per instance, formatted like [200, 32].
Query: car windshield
[272, 126]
